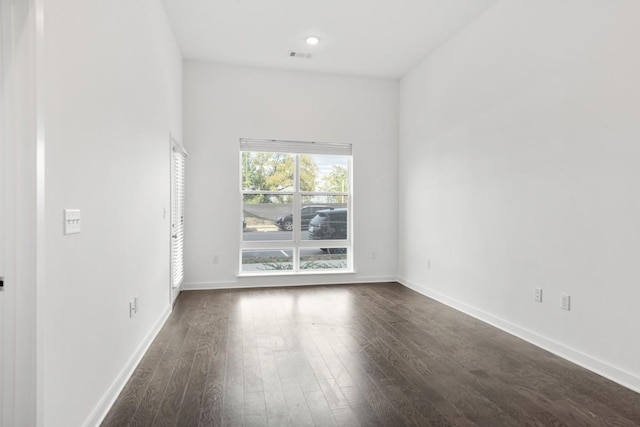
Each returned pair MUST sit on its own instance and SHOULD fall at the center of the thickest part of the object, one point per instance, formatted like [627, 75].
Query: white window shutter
[177, 217]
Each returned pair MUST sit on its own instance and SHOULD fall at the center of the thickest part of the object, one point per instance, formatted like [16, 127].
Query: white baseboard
[207, 286]
[276, 282]
[620, 376]
[102, 409]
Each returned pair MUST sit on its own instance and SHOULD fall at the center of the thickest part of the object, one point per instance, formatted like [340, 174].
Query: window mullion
[296, 214]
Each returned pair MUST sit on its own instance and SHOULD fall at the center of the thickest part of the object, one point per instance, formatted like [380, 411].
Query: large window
[296, 207]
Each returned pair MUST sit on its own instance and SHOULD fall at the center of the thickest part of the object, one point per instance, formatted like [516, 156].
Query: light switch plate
[71, 221]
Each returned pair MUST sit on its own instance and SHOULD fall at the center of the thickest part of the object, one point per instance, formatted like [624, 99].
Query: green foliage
[266, 172]
[308, 173]
[309, 265]
[274, 172]
[336, 181]
[272, 260]
[315, 265]
[269, 266]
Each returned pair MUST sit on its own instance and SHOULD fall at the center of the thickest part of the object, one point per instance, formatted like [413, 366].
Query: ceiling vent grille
[294, 54]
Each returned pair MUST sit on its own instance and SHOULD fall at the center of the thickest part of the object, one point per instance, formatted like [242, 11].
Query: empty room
[338, 213]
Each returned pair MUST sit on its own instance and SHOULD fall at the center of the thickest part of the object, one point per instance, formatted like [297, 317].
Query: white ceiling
[377, 38]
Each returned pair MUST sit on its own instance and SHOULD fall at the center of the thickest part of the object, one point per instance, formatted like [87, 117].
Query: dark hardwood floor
[354, 355]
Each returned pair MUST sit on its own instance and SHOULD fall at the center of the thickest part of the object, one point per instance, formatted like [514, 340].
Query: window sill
[298, 273]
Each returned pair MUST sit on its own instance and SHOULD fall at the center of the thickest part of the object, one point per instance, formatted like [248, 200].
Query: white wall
[113, 94]
[18, 179]
[519, 154]
[225, 103]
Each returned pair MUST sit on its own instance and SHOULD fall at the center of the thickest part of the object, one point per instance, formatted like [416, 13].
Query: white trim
[248, 284]
[40, 262]
[285, 273]
[177, 146]
[4, 304]
[23, 179]
[108, 399]
[607, 370]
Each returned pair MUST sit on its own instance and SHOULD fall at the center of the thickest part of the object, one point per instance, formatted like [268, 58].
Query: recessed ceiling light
[312, 40]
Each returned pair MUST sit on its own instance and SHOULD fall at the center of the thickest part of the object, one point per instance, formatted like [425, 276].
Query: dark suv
[329, 225]
[306, 213]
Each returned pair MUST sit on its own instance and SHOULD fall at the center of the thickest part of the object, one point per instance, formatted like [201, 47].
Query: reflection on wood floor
[350, 355]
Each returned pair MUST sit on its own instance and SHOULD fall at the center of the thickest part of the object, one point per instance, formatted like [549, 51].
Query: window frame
[296, 149]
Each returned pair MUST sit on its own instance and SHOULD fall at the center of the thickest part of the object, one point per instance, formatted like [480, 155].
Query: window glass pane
[324, 173]
[267, 217]
[267, 171]
[311, 205]
[266, 260]
[308, 211]
[328, 224]
[323, 259]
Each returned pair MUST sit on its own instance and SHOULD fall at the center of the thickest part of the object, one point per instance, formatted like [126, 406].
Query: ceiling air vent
[299, 54]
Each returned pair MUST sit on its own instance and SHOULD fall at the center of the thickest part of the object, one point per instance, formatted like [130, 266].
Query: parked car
[285, 222]
[329, 225]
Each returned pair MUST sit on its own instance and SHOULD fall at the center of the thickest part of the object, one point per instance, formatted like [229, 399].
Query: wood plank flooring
[353, 355]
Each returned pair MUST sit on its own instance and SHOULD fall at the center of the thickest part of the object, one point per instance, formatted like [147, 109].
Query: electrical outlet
[565, 302]
[538, 295]
[132, 308]
[215, 259]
